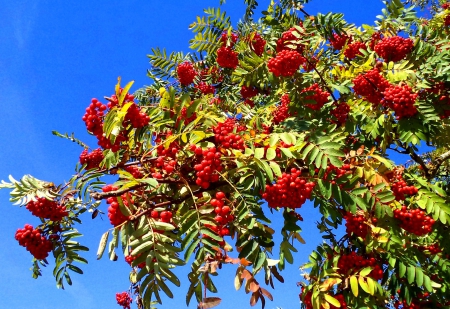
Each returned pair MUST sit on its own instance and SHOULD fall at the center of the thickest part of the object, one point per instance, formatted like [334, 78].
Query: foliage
[289, 108]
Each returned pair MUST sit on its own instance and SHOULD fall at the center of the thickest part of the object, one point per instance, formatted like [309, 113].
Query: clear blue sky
[54, 57]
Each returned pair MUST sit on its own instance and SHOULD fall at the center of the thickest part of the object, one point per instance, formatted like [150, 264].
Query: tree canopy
[260, 118]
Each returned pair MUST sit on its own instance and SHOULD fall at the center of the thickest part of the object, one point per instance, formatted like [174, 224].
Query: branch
[420, 161]
[437, 163]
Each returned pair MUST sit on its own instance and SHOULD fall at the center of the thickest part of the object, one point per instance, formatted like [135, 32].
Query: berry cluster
[394, 48]
[257, 44]
[93, 159]
[208, 165]
[93, 118]
[433, 249]
[288, 41]
[415, 304]
[414, 221]
[130, 258]
[205, 88]
[289, 191]
[223, 214]
[116, 217]
[282, 111]
[356, 225]
[228, 40]
[224, 136]
[371, 86]
[447, 21]
[124, 300]
[400, 99]
[353, 50]
[376, 37]
[400, 188]
[47, 209]
[338, 41]
[163, 216]
[32, 239]
[135, 117]
[248, 92]
[286, 63]
[340, 112]
[351, 263]
[186, 73]
[227, 58]
[316, 94]
[134, 171]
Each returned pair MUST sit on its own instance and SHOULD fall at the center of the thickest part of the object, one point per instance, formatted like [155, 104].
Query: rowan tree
[261, 118]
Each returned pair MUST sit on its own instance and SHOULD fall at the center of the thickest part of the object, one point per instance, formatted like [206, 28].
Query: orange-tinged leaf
[254, 299]
[329, 283]
[246, 274]
[267, 293]
[209, 302]
[245, 262]
[254, 286]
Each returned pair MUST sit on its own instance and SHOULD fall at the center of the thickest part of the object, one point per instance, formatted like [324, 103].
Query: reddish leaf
[246, 274]
[209, 302]
[254, 286]
[254, 299]
[267, 293]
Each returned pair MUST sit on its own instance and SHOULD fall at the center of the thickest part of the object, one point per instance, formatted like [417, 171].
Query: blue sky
[54, 57]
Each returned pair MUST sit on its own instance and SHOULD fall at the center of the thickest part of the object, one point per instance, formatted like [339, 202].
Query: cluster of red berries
[375, 38]
[401, 100]
[282, 111]
[338, 41]
[337, 172]
[124, 300]
[32, 239]
[445, 5]
[171, 151]
[257, 44]
[48, 209]
[248, 92]
[317, 95]
[394, 48]
[134, 171]
[116, 217]
[371, 86]
[94, 124]
[349, 264]
[130, 258]
[166, 164]
[286, 63]
[290, 190]
[186, 73]
[400, 188]
[228, 40]
[289, 41]
[340, 112]
[208, 165]
[224, 136]
[93, 159]
[205, 88]
[414, 221]
[223, 214]
[163, 216]
[227, 58]
[356, 225]
[184, 116]
[353, 49]
[135, 117]
[433, 249]
[447, 21]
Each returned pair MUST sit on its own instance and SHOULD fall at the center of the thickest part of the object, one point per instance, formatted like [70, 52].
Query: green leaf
[259, 153]
[411, 273]
[271, 154]
[419, 276]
